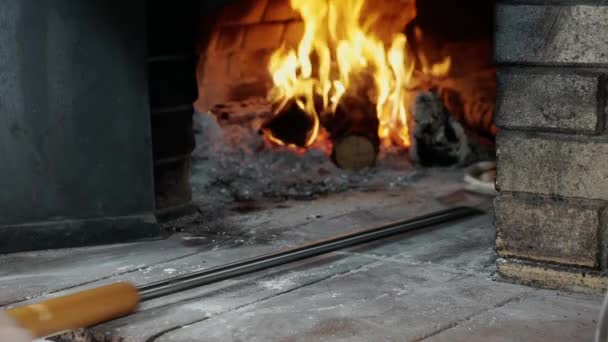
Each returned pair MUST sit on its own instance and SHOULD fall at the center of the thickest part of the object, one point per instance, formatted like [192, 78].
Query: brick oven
[299, 170]
[550, 118]
[552, 162]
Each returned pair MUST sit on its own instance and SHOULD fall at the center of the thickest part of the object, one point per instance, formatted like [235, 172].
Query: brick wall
[234, 65]
[245, 35]
[551, 216]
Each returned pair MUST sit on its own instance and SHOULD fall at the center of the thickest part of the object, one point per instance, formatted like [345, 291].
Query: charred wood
[290, 124]
[439, 139]
[353, 129]
[354, 152]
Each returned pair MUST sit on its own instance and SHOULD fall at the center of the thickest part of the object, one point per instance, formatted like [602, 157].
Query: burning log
[354, 152]
[440, 140]
[354, 131]
[289, 125]
[352, 128]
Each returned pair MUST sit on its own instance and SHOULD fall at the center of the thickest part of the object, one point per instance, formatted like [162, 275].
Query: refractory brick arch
[244, 36]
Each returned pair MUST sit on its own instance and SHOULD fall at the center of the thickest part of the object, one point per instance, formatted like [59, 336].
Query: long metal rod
[235, 269]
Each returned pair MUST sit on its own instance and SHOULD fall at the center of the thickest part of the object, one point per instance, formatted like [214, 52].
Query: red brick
[279, 10]
[221, 92]
[245, 90]
[211, 94]
[229, 38]
[293, 33]
[249, 65]
[243, 12]
[263, 36]
[404, 9]
[215, 67]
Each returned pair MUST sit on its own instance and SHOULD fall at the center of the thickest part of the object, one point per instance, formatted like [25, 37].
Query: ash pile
[233, 162]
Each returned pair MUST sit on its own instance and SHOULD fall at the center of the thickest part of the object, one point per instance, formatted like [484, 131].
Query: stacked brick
[551, 216]
[234, 65]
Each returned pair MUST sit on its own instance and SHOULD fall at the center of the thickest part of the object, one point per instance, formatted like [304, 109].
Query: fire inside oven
[298, 99]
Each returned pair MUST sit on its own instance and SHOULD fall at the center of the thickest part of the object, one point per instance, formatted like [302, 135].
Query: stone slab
[324, 217]
[163, 314]
[551, 34]
[552, 165]
[220, 254]
[385, 301]
[248, 235]
[171, 313]
[465, 246]
[541, 316]
[405, 288]
[549, 101]
[31, 274]
[159, 316]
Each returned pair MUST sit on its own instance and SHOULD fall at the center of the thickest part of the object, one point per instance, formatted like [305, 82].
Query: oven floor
[431, 285]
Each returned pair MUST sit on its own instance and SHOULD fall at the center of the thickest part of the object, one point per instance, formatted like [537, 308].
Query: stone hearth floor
[436, 284]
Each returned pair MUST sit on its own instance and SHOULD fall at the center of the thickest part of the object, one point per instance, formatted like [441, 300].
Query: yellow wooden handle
[78, 310]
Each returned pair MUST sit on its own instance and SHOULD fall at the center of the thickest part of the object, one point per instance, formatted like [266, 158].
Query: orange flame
[345, 54]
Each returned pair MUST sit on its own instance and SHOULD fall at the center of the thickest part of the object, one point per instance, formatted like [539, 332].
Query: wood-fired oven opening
[298, 99]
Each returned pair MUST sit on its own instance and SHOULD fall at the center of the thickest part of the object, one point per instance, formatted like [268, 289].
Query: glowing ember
[339, 55]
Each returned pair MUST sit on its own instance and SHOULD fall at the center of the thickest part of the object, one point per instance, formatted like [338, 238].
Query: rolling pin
[78, 310]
